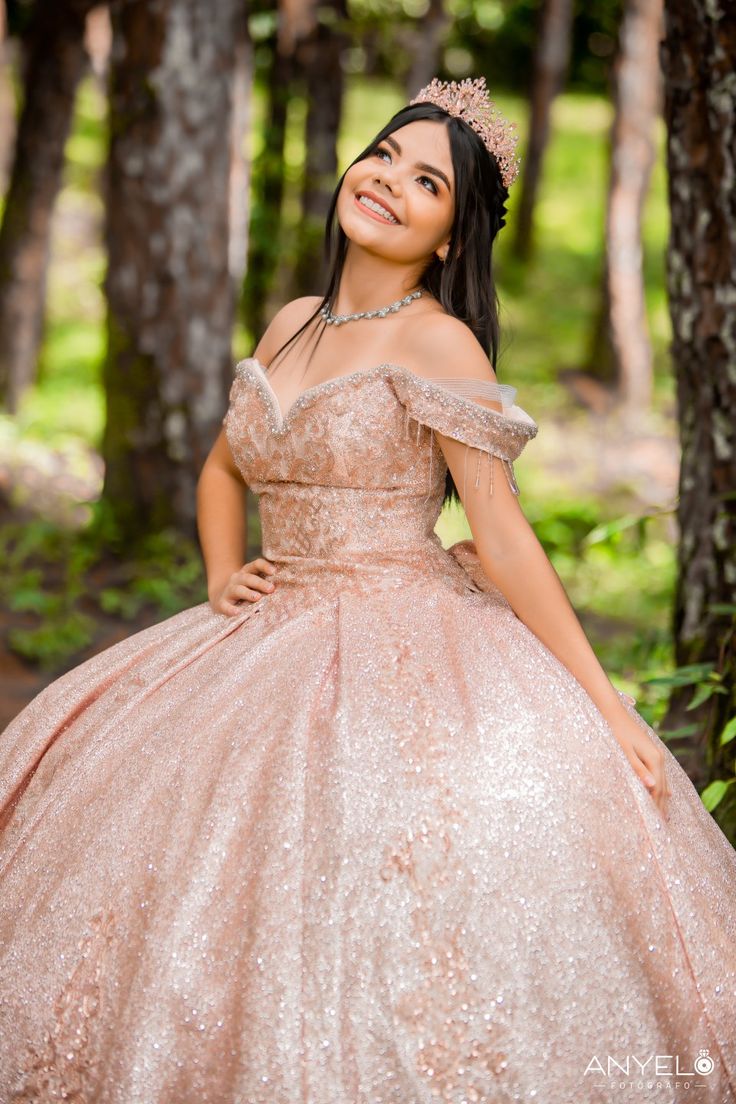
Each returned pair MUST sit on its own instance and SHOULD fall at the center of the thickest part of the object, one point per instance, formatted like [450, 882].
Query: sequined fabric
[366, 841]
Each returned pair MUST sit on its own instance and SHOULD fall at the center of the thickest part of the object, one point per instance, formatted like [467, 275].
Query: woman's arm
[507, 546]
[221, 515]
[221, 520]
[514, 560]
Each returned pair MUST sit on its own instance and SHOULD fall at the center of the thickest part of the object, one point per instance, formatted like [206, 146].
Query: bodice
[352, 473]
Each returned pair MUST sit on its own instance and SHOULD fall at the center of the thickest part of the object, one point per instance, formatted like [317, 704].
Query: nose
[386, 174]
[382, 178]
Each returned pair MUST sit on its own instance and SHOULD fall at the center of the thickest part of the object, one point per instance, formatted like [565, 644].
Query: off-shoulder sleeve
[448, 405]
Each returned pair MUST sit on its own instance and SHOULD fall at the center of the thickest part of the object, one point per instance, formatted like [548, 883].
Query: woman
[371, 825]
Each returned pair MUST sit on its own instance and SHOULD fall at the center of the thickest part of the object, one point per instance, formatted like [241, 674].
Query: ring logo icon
[704, 1064]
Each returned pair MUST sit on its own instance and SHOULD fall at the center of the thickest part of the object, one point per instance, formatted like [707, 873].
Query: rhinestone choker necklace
[338, 319]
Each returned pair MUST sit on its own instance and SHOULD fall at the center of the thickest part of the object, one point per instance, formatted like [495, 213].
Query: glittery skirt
[366, 842]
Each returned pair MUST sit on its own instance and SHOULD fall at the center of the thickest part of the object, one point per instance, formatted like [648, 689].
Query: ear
[444, 249]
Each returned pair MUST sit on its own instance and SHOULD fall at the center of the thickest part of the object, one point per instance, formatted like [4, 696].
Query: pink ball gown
[365, 842]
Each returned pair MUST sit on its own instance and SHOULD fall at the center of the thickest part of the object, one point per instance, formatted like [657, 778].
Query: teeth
[367, 202]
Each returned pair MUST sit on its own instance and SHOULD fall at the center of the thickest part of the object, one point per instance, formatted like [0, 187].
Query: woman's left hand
[647, 759]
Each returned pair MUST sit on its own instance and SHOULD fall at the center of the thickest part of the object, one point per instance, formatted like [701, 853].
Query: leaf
[677, 733]
[704, 691]
[608, 529]
[728, 733]
[713, 794]
[686, 675]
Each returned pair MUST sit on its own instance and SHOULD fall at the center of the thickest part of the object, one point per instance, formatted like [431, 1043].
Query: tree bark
[621, 355]
[700, 109]
[240, 157]
[267, 189]
[551, 59]
[7, 99]
[168, 284]
[240, 211]
[319, 55]
[55, 60]
[423, 41]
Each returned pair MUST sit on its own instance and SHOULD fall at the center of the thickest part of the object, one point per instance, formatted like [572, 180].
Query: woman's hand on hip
[248, 584]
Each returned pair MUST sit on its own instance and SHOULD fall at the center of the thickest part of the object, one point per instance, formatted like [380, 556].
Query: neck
[368, 282]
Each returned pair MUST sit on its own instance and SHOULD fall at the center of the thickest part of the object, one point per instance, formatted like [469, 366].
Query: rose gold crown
[470, 102]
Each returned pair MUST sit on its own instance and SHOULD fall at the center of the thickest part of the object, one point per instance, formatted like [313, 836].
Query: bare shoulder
[443, 346]
[284, 325]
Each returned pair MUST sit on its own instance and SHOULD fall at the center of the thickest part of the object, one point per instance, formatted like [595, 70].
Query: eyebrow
[420, 164]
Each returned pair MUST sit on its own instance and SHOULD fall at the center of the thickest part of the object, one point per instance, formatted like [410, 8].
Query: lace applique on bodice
[353, 467]
[349, 415]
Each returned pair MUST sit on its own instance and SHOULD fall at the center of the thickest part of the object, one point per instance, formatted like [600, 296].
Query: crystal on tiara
[470, 102]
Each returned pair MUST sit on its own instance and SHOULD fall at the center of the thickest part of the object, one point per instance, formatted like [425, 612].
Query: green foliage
[63, 632]
[495, 37]
[706, 681]
[60, 582]
[714, 794]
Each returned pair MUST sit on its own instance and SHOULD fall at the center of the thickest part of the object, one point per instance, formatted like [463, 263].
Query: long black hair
[464, 283]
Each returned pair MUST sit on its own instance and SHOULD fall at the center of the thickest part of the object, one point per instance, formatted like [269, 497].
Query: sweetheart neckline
[317, 388]
[284, 418]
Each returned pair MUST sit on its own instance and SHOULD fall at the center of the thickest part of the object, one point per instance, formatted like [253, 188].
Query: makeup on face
[373, 207]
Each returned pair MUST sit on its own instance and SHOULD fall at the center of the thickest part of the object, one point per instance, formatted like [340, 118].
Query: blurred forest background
[165, 172]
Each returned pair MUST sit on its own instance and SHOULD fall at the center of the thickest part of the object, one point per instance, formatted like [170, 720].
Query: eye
[382, 149]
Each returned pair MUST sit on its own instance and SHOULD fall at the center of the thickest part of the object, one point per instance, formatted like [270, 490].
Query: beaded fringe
[507, 465]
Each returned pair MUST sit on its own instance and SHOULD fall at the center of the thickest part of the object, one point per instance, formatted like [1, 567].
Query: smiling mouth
[375, 214]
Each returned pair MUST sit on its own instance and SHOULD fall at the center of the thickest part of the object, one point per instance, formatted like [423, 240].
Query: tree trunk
[240, 158]
[551, 59]
[7, 99]
[240, 212]
[168, 285]
[423, 41]
[700, 109]
[621, 355]
[267, 190]
[55, 60]
[319, 61]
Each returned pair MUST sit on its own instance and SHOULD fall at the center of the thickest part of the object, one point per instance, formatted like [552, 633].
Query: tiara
[470, 102]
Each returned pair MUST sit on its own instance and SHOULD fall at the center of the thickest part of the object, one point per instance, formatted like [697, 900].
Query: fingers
[246, 582]
[265, 565]
[251, 569]
[230, 604]
[230, 609]
[649, 764]
[246, 585]
[250, 593]
[221, 605]
[261, 564]
[660, 791]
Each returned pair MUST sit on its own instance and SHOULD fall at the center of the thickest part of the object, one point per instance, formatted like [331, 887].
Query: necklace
[338, 319]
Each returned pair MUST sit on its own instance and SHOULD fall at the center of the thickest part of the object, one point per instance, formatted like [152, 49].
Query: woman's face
[410, 174]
